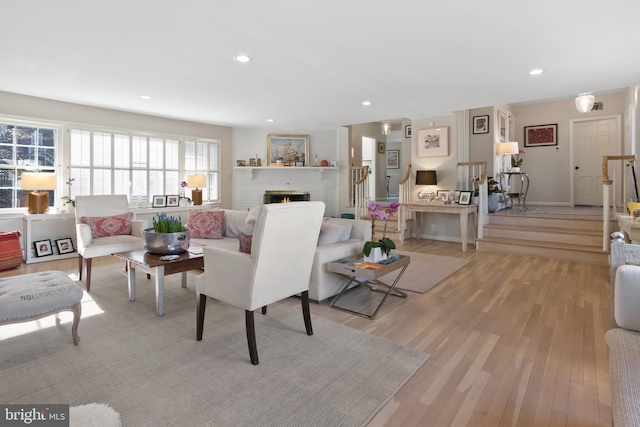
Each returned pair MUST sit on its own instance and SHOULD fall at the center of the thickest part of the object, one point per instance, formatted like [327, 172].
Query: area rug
[152, 370]
[94, 415]
[426, 271]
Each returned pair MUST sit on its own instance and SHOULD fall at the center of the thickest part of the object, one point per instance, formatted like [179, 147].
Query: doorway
[591, 140]
[369, 159]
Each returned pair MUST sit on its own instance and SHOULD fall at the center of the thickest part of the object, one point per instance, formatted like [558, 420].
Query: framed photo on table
[65, 246]
[541, 135]
[465, 197]
[43, 247]
[173, 201]
[159, 202]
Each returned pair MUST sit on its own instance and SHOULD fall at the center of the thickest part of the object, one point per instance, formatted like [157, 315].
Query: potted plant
[69, 204]
[382, 247]
[516, 161]
[168, 236]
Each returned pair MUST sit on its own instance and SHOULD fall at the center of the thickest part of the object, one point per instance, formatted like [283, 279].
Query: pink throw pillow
[102, 226]
[206, 224]
[245, 242]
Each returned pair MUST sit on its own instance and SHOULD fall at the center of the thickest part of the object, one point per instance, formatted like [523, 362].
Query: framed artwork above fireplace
[287, 149]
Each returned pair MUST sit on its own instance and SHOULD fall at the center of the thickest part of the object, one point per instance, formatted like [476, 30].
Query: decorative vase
[184, 202]
[492, 204]
[475, 200]
[69, 208]
[376, 255]
[166, 243]
[515, 169]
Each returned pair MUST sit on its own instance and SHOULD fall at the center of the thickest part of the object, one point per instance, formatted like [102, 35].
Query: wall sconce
[195, 182]
[385, 127]
[37, 181]
[426, 178]
[586, 102]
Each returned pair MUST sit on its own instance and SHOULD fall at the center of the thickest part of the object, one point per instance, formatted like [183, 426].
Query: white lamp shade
[584, 103]
[38, 181]
[196, 181]
[509, 148]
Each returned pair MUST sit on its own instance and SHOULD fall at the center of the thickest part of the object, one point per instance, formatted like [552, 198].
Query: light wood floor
[514, 341]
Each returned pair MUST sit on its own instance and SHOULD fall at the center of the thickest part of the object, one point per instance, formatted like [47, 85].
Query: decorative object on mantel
[167, 236]
[195, 182]
[241, 163]
[287, 149]
[377, 251]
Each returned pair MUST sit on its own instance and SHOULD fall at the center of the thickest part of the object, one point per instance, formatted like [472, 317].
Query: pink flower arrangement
[377, 211]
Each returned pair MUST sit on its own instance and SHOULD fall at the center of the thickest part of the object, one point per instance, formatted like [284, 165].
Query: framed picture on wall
[433, 142]
[407, 131]
[287, 149]
[381, 147]
[541, 135]
[393, 159]
[481, 124]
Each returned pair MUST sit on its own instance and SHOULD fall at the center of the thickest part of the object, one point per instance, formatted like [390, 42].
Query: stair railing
[360, 190]
[404, 194]
[606, 196]
[479, 169]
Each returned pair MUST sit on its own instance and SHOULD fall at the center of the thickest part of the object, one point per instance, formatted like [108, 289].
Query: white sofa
[323, 284]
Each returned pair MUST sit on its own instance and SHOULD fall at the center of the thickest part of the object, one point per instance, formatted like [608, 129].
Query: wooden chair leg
[264, 310]
[251, 337]
[80, 267]
[201, 303]
[77, 312]
[88, 281]
[306, 313]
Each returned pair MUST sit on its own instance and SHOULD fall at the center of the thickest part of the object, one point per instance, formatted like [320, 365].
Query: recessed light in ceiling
[366, 103]
[242, 58]
[536, 71]
[270, 120]
[145, 97]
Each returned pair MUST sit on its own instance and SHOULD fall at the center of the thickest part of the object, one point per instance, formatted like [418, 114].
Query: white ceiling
[314, 62]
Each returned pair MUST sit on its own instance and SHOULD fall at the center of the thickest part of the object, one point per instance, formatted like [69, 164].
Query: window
[140, 165]
[25, 146]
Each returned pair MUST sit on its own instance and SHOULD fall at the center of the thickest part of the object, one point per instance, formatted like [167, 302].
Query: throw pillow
[245, 242]
[253, 215]
[102, 226]
[333, 233]
[10, 250]
[235, 221]
[206, 224]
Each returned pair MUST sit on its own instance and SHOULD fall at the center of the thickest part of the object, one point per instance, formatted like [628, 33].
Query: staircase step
[545, 249]
[545, 234]
[572, 222]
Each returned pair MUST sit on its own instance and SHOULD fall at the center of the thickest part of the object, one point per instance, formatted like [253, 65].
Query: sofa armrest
[84, 236]
[360, 229]
[627, 297]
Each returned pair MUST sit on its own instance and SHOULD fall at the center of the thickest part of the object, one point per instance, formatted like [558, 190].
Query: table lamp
[37, 181]
[508, 148]
[196, 181]
[425, 178]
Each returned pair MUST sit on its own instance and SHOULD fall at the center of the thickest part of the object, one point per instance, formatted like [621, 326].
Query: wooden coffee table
[357, 272]
[151, 264]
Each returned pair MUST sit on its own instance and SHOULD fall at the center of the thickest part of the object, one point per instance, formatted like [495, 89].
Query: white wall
[249, 186]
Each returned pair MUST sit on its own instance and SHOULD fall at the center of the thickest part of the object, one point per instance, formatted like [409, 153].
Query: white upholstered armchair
[279, 266]
[105, 225]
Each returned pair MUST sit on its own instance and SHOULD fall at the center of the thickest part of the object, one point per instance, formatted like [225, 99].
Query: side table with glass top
[522, 188]
[357, 272]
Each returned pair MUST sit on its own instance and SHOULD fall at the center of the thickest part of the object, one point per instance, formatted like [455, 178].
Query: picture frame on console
[465, 197]
[287, 149]
[159, 202]
[43, 247]
[65, 245]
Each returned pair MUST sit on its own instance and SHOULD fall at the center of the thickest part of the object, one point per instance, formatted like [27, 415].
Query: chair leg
[201, 303]
[264, 310]
[306, 313]
[88, 281]
[80, 267]
[251, 337]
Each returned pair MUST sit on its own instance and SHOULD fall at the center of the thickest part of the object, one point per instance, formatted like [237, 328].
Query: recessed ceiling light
[242, 58]
[536, 71]
[270, 120]
[366, 103]
[145, 97]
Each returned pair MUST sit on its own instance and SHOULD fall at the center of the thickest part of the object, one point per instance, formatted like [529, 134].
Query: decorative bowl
[166, 243]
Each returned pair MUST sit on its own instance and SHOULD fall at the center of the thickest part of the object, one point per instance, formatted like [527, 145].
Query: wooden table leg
[463, 229]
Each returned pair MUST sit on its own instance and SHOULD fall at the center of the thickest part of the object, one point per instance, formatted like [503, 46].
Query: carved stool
[36, 295]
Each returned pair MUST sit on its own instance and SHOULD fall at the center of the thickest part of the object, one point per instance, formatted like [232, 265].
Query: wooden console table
[439, 207]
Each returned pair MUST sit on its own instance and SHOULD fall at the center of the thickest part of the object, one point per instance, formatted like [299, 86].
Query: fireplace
[281, 196]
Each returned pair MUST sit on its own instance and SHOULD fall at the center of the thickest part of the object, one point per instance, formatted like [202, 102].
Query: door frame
[572, 122]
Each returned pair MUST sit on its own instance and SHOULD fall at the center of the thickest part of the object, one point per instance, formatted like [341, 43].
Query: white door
[592, 140]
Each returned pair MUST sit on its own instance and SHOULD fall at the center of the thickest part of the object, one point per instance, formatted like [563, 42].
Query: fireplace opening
[285, 196]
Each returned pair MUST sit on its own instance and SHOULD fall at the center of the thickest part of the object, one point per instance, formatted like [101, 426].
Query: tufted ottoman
[32, 296]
